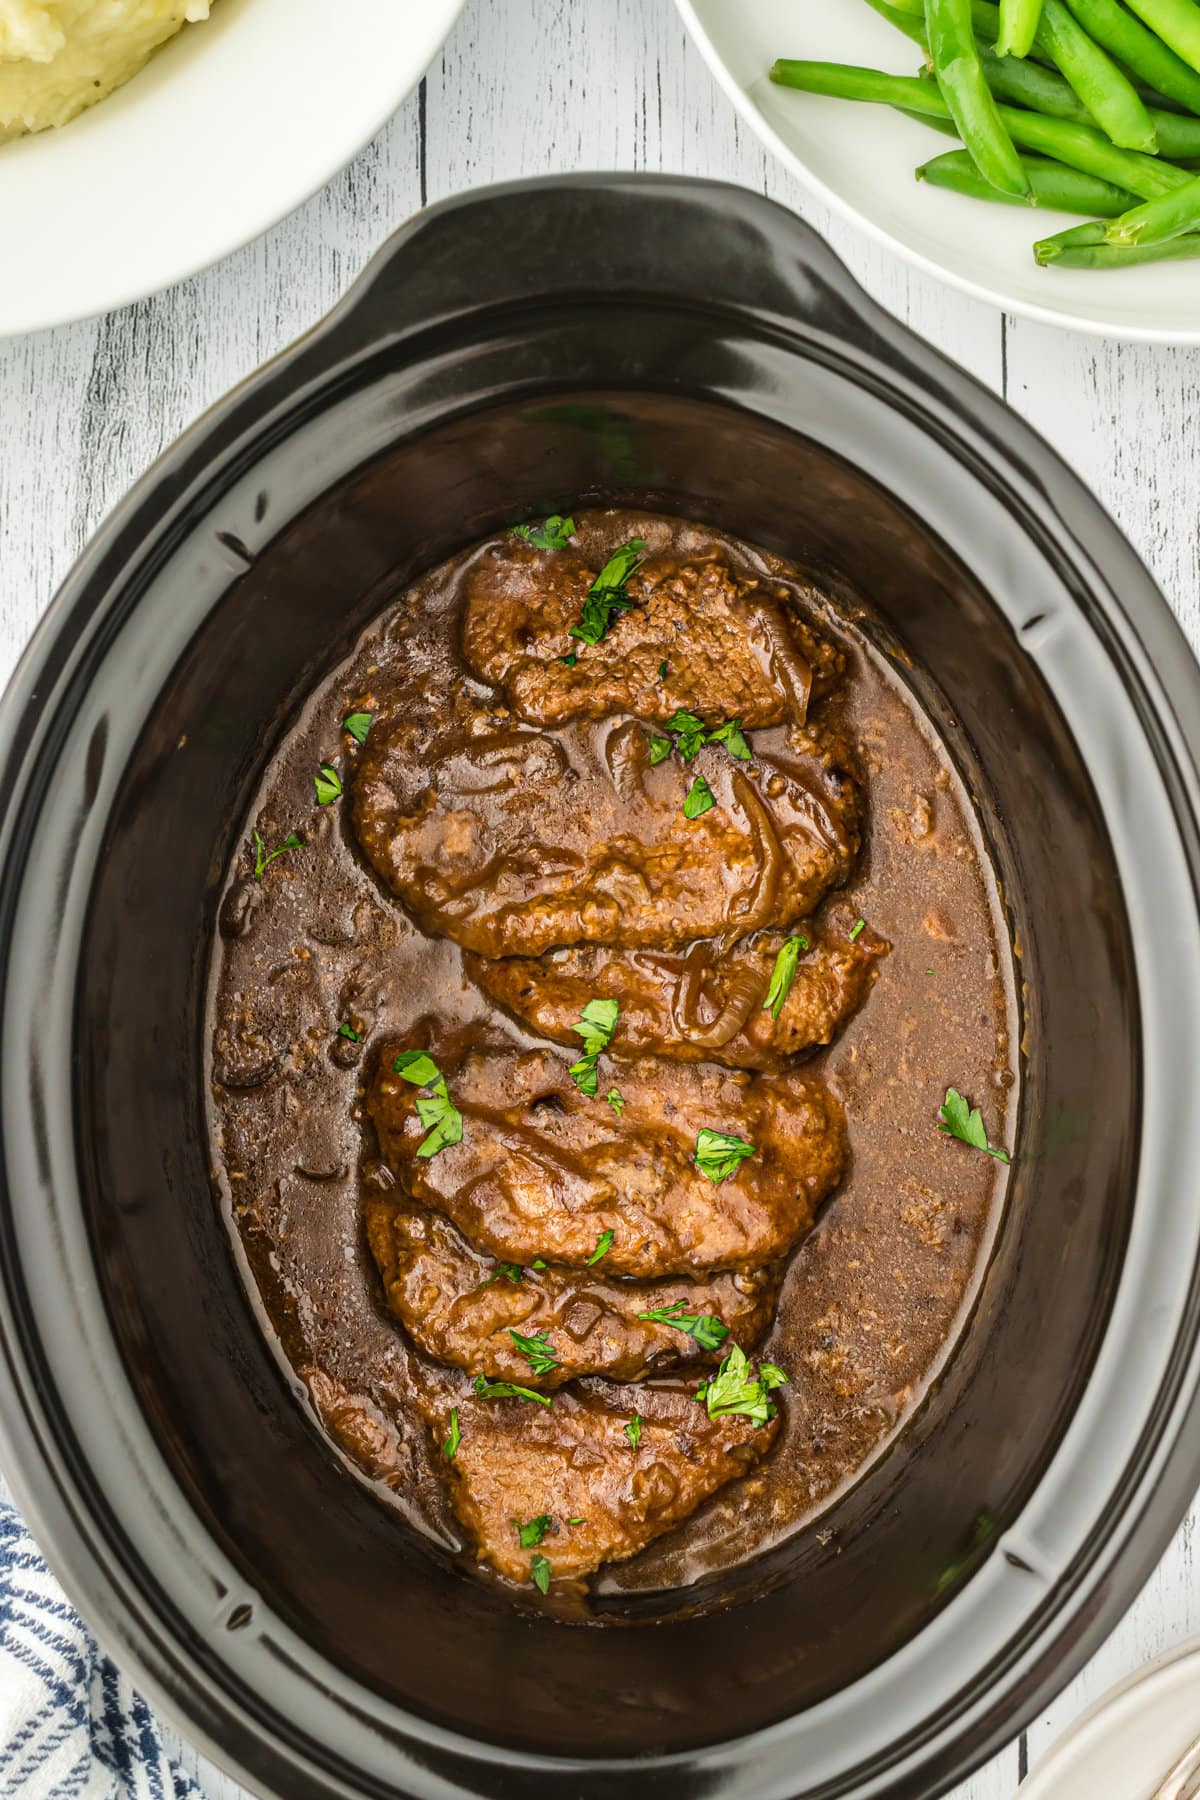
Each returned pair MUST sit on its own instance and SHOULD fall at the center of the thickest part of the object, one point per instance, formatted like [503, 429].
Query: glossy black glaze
[693, 347]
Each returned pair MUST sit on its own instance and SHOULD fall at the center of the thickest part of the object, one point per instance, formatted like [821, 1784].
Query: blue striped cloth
[71, 1726]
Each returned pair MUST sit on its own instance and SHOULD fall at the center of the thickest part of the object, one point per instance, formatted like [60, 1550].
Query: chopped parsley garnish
[535, 1350]
[358, 725]
[569, 660]
[633, 1431]
[537, 1263]
[348, 1031]
[576, 1521]
[962, 1120]
[604, 1244]
[511, 1272]
[540, 1571]
[597, 1022]
[662, 671]
[733, 738]
[699, 799]
[450, 1447]
[535, 1531]
[783, 974]
[264, 857]
[328, 784]
[553, 533]
[508, 1390]
[607, 595]
[718, 1153]
[858, 926]
[616, 1100]
[435, 1109]
[733, 1389]
[708, 1331]
[689, 733]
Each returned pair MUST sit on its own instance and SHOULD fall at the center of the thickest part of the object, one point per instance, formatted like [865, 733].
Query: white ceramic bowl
[231, 125]
[1123, 1745]
[860, 159]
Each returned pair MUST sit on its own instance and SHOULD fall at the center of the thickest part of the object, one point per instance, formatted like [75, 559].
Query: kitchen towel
[71, 1726]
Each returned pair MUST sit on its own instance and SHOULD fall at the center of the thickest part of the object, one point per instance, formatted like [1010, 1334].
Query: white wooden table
[523, 87]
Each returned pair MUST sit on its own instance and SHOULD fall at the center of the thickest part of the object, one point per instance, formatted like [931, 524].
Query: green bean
[1019, 21]
[946, 126]
[909, 23]
[1084, 247]
[1123, 36]
[1108, 96]
[1082, 146]
[1156, 221]
[1041, 90]
[956, 64]
[1176, 22]
[986, 19]
[1051, 185]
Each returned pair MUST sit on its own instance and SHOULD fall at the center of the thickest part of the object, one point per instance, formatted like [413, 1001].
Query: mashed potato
[58, 56]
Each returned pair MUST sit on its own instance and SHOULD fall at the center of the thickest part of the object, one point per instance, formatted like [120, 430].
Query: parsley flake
[962, 1120]
[616, 1100]
[604, 1244]
[511, 1272]
[540, 1572]
[662, 671]
[699, 799]
[570, 660]
[783, 974]
[633, 1431]
[358, 724]
[536, 1351]
[328, 784]
[709, 1332]
[733, 738]
[734, 1389]
[537, 1263]
[718, 1153]
[348, 1031]
[508, 1390]
[450, 1447]
[607, 595]
[264, 857]
[534, 1532]
[858, 926]
[597, 1022]
[437, 1112]
[689, 732]
[553, 533]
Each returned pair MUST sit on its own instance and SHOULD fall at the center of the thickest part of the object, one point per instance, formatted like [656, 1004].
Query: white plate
[860, 159]
[231, 125]
[1123, 1746]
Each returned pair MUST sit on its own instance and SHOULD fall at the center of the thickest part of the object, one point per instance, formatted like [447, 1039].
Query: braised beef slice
[518, 1461]
[512, 841]
[460, 1306]
[703, 1004]
[734, 647]
[533, 1180]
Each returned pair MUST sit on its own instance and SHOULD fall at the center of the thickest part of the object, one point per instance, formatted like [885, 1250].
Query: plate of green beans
[1041, 154]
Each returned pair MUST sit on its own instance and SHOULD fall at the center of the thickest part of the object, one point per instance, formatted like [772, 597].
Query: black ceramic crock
[692, 347]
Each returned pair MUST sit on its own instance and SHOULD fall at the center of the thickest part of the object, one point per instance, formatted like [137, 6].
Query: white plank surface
[526, 86]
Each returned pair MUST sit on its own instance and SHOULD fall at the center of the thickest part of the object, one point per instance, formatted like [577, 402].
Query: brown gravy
[873, 1298]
